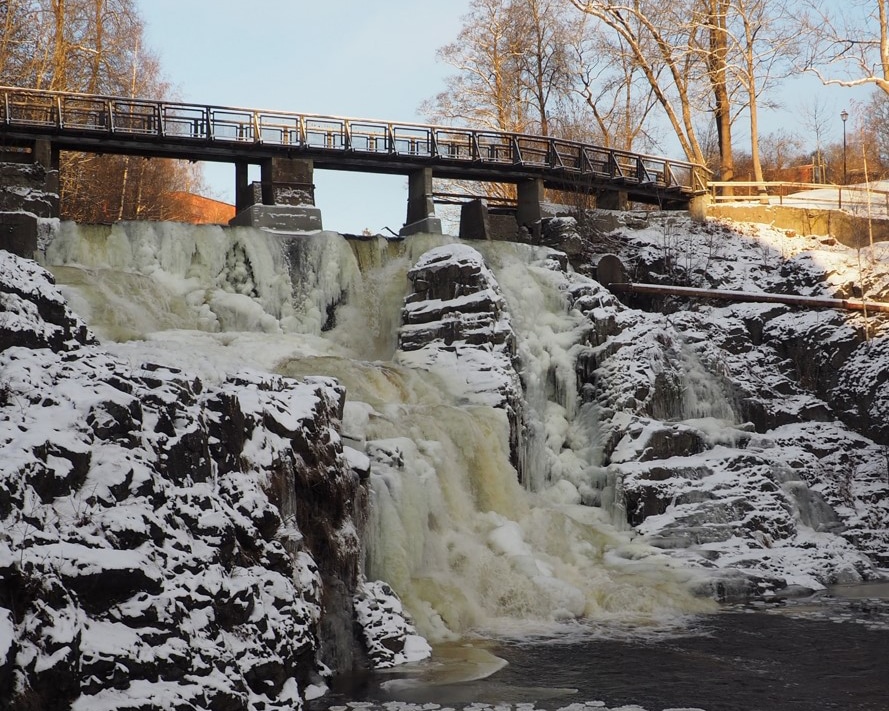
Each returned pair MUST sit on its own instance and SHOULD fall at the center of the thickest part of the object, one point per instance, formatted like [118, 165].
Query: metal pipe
[761, 297]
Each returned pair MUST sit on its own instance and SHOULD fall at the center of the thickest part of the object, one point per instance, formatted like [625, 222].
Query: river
[826, 653]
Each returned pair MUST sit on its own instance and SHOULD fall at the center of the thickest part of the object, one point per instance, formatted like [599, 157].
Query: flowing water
[474, 554]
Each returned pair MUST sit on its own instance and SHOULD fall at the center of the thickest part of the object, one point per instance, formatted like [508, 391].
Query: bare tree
[815, 118]
[92, 46]
[539, 28]
[18, 46]
[762, 45]
[848, 41]
[486, 88]
[877, 111]
[663, 41]
[715, 55]
[606, 80]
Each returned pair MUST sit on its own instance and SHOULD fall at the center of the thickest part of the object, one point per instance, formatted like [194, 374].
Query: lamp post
[844, 115]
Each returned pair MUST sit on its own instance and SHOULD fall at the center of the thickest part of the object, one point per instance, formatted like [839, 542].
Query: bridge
[288, 147]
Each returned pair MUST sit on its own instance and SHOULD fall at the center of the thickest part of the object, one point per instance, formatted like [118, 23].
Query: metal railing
[67, 114]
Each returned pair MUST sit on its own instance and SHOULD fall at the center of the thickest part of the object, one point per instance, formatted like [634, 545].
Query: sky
[346, 58]
[359, 59]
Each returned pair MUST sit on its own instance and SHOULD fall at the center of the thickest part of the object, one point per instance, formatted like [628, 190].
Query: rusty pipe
[758, 297]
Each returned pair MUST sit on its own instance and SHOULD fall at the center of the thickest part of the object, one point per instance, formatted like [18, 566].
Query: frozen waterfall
[452, 530]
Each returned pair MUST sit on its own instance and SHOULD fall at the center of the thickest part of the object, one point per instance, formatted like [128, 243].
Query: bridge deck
[102, 124]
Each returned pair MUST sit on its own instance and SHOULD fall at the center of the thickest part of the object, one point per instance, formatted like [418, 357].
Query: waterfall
[451, 528]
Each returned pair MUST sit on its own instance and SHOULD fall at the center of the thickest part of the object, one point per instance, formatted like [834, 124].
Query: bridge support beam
[612, 200]
[531, 196]
[697, 207]
[283, 200]
[245, 195]
[420, 205]
[288, 181]
[478, 221]
[474, 220]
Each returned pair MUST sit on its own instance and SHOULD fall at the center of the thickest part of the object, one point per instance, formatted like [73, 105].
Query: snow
[863, 199]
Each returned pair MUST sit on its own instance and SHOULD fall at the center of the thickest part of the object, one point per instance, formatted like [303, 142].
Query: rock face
[744, 437]
[23, 188]
[166, 544]
[456, 322]
[33, 313]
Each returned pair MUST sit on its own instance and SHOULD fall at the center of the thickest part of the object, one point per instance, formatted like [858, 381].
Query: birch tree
[662, 39]
[762, 47]
[540, 31]
[486, 88]
[714, 52]
[605, 81]
[848, 41]
[92, 46]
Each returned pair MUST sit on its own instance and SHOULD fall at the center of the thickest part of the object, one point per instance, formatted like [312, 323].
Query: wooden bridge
[289, 146]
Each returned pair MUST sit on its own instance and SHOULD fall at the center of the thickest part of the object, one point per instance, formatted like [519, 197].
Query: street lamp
[844, 115]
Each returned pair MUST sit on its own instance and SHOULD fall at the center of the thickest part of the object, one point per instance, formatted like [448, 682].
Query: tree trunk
[717, 12]
[59, 81]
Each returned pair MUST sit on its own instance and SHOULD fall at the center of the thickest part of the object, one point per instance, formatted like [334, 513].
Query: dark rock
[67, 473]
[222, 700]
[187, 457]
[229, 429]
[118, 421]
[98, 589]
[666, 442]
[38, 316]
[266, 677]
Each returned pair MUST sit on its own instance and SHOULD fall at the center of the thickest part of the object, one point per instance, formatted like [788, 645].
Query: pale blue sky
[338, 57]
[359, 58]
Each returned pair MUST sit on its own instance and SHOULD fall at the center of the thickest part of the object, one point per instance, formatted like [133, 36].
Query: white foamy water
[465, 545]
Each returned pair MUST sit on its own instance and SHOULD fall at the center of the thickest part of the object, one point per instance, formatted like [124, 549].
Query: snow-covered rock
[163, 543]
[728, 427]
[390, 637]
[456, 324]
[23, 188]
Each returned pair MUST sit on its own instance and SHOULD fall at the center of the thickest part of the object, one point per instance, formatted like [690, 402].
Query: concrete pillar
[286, 200]
[18, 233]
[697, 207]
[287, 181]
[244, 194]
[531, 196]
[474, 222]
[420, 205]
[267, 181]
[612, 200]
[46, 154]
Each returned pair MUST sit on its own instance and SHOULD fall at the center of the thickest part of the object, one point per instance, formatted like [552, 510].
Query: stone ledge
[279, 218]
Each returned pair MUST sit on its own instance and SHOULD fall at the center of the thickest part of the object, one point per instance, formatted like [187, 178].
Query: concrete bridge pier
[282, 201]
[245, 195]
[531, 196]
[420, 205]
[33, 166]
[697, 207]
[612, 200]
